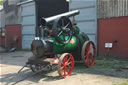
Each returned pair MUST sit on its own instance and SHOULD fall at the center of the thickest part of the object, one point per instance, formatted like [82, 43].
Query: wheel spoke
[60, 33]
[66, 69]
[62, 68]
[66, 26]
[93, 58]
[62, 63]
[86, 56]
[68, 63]
[89, 59]
[65, 59]
[89, 50]
[68, 59]
[64, 72]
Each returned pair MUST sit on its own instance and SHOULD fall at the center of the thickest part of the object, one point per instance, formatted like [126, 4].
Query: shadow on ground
[15, 78]
[103, 67]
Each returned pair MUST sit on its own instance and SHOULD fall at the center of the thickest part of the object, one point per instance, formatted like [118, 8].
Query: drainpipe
[36, 16]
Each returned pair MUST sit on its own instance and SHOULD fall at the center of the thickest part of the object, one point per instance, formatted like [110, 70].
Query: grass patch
[125, 83]
[105, 63]
[110, 63]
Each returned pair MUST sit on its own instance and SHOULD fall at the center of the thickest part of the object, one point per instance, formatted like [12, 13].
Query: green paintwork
[77, 30]
[60, 48]
[72, 45]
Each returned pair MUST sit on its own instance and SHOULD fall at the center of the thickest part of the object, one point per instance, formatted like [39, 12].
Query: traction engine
[59, 43]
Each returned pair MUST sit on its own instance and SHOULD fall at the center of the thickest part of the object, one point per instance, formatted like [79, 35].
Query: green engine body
[50, 46]
[76, 41]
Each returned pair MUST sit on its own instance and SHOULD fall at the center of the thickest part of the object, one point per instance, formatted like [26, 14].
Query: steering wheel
[62, 30]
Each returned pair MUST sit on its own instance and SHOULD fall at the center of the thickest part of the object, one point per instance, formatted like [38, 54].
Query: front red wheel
[88, 53]
[66, 65]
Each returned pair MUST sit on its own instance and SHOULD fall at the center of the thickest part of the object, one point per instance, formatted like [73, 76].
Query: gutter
[25, 2]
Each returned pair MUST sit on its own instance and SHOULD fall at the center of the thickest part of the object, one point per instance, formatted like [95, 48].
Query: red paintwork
[2, 41]
[13, 36]
[110, 30]
[48, 53]
[89, 56]
[67, 65]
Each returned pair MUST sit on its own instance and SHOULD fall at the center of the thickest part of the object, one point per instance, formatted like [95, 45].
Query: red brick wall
[110, 30]
[13, 36]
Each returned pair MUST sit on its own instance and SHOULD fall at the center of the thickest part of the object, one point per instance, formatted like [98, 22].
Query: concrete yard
[105, 72]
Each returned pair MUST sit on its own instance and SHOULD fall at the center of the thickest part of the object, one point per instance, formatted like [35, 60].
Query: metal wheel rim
[87, 57]
[66, 60]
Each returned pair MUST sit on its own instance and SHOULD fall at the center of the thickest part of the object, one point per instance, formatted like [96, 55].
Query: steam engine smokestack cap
[43, 22]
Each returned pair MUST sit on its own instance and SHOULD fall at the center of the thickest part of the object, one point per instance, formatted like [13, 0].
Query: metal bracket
[22, 68]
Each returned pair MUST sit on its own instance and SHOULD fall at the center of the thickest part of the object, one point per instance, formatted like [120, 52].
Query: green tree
[1, 2]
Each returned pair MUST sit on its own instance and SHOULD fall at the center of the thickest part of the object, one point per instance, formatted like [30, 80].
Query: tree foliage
[1, 2]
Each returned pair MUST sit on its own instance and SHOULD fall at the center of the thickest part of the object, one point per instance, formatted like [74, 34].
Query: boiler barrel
[69, 47]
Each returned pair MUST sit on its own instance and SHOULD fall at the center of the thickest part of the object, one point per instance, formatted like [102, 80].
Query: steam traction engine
[59, 43]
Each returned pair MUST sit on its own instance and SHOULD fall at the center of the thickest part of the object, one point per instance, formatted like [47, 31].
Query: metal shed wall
[2, 41]
[31, 15]
[2, 25]
[112, 8]
[2, 18]
[113, 31]
[13, 36]
[28, 21]
[12, 12]
[87, 19]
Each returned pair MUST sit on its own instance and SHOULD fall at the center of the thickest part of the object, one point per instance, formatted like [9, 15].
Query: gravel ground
[105, 72]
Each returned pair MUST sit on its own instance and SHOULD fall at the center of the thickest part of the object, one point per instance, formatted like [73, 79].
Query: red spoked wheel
[66, 65]
[88, 53]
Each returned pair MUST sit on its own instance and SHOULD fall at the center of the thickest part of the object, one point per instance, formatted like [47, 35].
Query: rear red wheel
[66, 65]
[88, 53]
